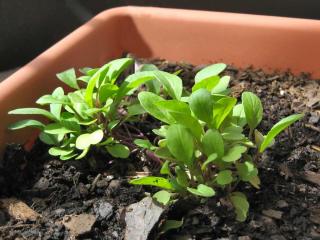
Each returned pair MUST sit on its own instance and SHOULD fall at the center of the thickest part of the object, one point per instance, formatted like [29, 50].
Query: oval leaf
[153, 181]
[234, 153]
[162, 197]
[224, 177]
[180, 143]
[210, 71]
[118, 150]
[202, 191]
[252, 108]
[201, 105]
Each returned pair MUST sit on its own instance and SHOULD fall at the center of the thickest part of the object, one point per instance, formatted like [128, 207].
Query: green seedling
[90, 116]
[203, 139]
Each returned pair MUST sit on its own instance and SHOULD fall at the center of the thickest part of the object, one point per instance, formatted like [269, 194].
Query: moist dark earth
[287, 206]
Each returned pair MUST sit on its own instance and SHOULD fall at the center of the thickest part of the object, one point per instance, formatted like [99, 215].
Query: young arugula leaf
[222, 86]
[154, 85]
[180, 143]
[181, 113]
[182, 178]
[246, 171]
[116, 67]
[210, 71]
[221, 109]
[162, 197]
[56, 151]
[252, 108]
[241, 205]
[169, 225]
[234, 153]
[224, 177]
[69, 77]
[118, 150]
[209, 160]
[202, 191]
[238, 115]
[165, 169]
[278, 128]
[208, 84]
[55, 108]
[144, 143]
[201, 105]
[33, 111]
[153, 181]
[85, 140]
[148, 102]
[26, 123]
[171, 83]
[212, 142]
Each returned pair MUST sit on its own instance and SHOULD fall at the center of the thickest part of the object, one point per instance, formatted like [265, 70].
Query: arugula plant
[89, 116]
[203, 142]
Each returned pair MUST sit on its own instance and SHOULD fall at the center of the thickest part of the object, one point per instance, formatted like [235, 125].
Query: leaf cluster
[208, 140]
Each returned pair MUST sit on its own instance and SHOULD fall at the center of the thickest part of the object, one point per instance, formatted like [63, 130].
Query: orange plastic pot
[197, 37]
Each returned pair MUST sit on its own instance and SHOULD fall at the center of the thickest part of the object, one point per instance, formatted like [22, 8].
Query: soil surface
[86, 199]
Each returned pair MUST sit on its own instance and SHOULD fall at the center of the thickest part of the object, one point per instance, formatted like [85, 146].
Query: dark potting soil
[286, 207]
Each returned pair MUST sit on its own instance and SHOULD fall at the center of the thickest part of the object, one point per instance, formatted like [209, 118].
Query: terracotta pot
[197, 37]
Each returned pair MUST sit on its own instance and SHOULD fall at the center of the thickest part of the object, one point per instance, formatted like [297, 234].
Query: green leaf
[33, 111]
[163, 153]
[181, 113]
[162, 197]
[153, 181]
[252, 108]
[144, 143]
[117, 66]
[55, 108]
[278, 128]
[221, 109]
[49, 99]
[86, 140]
[258, 138]
[106, 91]
[83, 154]
[246, 171]
[202, 190]
[222, 86]
[209, 160]
[234, 153]
[212, 142]
[233, 133]
[238, 115]
[208, 84]
[162, 131]
[201, 105]
[26, 123]
[135, 109]
[69, 77]
[57, 128]
[224, 177]
[165, 169]
[148, 102]
[182, 177]
[56, 151]
[180, 143]
[90, 89]
[210, 71]
[118, 150]
[241, 205]
[49, 138]
[169, 225]
[67, 157]
[255, 181]
[171, 83]
[153, 85]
